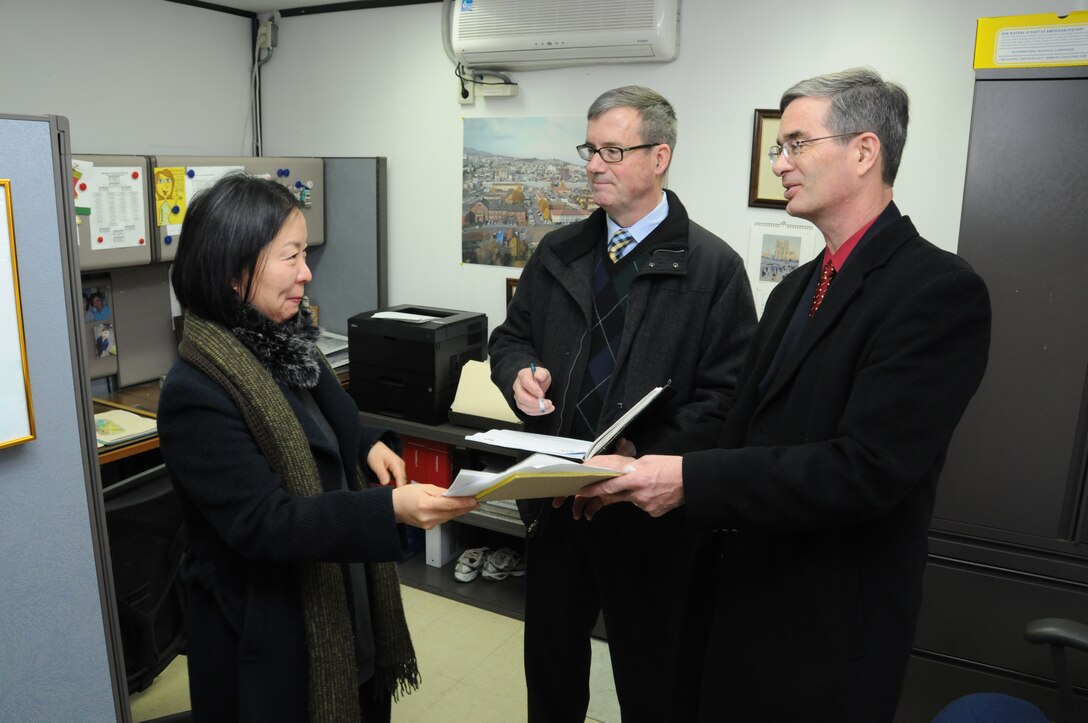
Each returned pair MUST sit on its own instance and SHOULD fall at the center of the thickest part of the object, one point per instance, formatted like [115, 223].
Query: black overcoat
[824, 483]
[246, 644]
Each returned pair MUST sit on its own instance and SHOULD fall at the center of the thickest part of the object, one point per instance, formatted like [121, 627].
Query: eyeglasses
[609, 154]
[793, 148]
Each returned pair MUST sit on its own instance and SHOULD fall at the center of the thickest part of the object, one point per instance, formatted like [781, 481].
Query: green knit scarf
[333, 688]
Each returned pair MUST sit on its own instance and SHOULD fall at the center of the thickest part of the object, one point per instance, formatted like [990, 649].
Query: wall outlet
[266, 35]
[466, 91]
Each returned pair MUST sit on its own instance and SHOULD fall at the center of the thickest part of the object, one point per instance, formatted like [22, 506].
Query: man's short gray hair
[658, 117]
[861, 101]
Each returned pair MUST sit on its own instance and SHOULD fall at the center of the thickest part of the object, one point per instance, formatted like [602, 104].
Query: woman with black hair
[294, 605]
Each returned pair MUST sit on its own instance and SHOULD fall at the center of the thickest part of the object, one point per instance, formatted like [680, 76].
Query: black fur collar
[286, 350]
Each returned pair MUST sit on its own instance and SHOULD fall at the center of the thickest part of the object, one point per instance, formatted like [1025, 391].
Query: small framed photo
[511, 286]
[764, 188]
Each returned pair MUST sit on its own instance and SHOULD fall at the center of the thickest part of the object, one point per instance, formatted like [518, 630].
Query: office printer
[410, 369]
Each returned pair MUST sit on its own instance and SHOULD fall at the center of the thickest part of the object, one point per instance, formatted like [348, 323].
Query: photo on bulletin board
[521, 178]
[764, 188]
[104, 342]
[17, 419]
[96, 303]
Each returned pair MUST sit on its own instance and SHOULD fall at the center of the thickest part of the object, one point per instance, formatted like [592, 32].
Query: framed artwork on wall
[764, 188]
[17, 420]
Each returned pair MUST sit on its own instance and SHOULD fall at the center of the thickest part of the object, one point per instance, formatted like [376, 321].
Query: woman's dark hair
[226, 227]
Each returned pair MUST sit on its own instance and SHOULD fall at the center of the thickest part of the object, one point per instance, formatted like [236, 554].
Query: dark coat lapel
[848, 284]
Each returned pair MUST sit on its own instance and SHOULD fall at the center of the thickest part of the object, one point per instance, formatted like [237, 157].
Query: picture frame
[17, 421]
[511, 286]
[775, 250]
[764, 188]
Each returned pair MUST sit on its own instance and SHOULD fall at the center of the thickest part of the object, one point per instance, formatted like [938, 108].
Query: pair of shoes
[469, 564]
[503, 563]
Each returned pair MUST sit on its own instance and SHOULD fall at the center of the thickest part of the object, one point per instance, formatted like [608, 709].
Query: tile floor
[470, 660]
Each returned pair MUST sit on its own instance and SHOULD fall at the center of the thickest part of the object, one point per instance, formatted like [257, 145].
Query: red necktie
[826, 275]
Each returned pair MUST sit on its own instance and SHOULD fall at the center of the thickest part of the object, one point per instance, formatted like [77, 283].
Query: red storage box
[428, 462]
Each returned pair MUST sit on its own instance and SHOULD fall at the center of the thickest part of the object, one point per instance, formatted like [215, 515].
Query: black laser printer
[410, 369]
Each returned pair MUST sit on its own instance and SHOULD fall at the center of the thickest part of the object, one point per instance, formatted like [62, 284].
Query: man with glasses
[634, 297]
[822, 484]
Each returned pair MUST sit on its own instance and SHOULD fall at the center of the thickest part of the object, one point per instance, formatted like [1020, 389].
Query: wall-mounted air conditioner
[531, 34]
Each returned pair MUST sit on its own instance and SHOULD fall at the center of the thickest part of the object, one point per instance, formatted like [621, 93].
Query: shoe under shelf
[505, 597]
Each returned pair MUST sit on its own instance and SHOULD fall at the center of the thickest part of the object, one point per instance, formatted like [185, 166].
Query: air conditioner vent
[530, 17]
[528, 34]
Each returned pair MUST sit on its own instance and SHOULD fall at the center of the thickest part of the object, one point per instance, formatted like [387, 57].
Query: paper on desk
[330, 342]
[334, 347]
[539, 475]
[116, 425]
[402, 316]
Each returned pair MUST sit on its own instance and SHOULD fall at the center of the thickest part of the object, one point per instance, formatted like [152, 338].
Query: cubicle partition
[130, 211]
[177, 179]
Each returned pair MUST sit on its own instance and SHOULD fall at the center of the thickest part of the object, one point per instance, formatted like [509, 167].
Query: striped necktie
[826, 275]
[620, 240]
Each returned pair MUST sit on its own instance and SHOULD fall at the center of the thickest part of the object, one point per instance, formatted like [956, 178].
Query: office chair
[147, 542]
[1059, 634]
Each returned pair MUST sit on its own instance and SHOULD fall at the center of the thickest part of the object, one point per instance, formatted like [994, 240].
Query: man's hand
[588, 506]
[653, 483]
[426, 505]
[529, 389]
[386, 465]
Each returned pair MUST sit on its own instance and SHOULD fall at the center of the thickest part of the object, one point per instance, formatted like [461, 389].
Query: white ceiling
[264, 6]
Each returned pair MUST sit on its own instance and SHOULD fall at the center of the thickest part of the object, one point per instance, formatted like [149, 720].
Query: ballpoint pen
[532, 369]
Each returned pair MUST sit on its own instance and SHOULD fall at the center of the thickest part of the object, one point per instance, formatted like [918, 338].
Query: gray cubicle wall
[144, 323]
[59, 650]
[350, 269]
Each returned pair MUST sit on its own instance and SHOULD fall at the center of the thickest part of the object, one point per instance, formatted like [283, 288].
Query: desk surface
[143, 399]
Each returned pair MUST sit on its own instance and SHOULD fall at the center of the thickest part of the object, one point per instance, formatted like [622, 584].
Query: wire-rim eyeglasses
[793, 147]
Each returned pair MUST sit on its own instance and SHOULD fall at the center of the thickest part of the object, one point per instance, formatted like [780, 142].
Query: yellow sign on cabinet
[1032, 41]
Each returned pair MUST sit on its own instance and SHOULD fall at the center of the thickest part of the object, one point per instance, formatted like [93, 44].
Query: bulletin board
[17, 421]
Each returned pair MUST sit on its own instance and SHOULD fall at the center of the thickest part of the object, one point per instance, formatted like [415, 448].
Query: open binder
[550, 472]
[539, 475]
[578, 449]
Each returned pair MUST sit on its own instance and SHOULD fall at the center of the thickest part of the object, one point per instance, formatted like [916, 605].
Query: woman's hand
[386, 465]
[426, 506]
